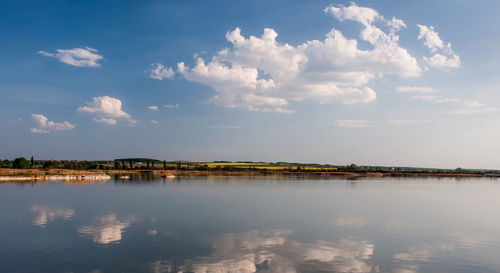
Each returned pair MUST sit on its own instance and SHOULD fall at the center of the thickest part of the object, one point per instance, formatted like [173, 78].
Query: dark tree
[49, 164]
[164, 164]
[32, 162]
[147, 166]
[7, 163]
[21, 163]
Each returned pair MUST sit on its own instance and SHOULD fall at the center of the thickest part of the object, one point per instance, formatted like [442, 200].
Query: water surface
[249, 224]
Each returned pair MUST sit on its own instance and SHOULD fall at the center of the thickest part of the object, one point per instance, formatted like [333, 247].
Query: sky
[385, 82]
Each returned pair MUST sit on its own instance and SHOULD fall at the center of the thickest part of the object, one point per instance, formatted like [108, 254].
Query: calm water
[246, 224]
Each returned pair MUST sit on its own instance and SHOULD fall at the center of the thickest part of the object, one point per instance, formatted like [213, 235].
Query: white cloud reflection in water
[106, 229]
[45, 214]
[420, 253]
[274, 252]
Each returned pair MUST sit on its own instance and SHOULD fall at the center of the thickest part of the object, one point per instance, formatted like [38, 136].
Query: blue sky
[411, 83]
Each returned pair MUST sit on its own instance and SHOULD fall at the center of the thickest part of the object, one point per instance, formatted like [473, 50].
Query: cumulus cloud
[415, 89]
[82, 57]
[430, 37]
[106, 229]
[108, 109]
[160, 72]
[366, 16]
[263, 74]
[44, 125]
[439, 60]
[443, 55]
[352, 123]
[153, 108]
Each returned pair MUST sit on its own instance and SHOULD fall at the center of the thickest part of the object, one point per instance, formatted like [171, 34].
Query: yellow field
[264, 166]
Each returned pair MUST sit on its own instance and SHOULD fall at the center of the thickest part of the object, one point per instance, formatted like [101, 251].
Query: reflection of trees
[273, 252]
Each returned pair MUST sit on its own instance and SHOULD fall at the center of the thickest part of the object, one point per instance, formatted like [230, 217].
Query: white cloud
[154, 122]
[352, 123]
[262, 74]
[366, 16]
[439, 60]
[415, 89]
[474, 107]
[153, 108]
[435, 99]
[446, 57]
[44, 125]
[171, 105]
[469, 107]
[160, 72]
[431, 38]
[82, 57]
[107, 109]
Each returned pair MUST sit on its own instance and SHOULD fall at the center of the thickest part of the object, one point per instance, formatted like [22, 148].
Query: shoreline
[12, 175]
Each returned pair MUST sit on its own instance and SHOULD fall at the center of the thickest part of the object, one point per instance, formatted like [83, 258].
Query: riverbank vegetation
[226, 166]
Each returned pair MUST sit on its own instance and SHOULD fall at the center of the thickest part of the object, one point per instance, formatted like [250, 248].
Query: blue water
[245, 224]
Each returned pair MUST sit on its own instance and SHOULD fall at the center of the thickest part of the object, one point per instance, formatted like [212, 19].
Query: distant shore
[9, 175]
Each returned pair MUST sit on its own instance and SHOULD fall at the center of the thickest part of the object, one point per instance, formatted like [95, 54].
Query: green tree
[7, 163]
[21, 163]
[147, 166]
[32, 162]
[164, 164]
[49, 164]
[354, 167]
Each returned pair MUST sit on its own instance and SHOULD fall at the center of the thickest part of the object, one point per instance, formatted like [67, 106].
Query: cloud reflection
[427, 252]
[273, 252]
[107, 229]
[45, 214]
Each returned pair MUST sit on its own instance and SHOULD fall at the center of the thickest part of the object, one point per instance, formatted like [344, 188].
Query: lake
[252, 224]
